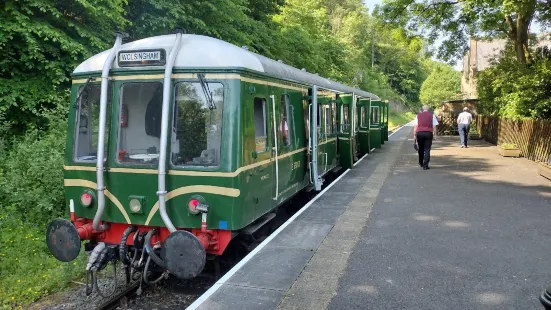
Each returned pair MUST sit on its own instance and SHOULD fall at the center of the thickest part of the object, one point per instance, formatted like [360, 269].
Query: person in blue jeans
[464, 121]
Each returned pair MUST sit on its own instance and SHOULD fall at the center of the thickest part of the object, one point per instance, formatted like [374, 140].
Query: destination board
[156, 57]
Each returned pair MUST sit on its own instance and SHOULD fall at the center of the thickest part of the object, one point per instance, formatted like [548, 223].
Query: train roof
[197, 51]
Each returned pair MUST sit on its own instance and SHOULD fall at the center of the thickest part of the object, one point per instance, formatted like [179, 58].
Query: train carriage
[178, 143]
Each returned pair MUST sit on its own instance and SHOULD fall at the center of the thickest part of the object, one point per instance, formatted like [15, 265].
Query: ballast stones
[63, 240]
[183, 254]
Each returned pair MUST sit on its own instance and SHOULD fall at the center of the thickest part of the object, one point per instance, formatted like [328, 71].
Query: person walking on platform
[464, 123]
[424, 132]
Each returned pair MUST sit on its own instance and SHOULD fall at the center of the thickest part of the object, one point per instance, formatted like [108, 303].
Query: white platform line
[230, 273]
[395, 131]
[360, 160]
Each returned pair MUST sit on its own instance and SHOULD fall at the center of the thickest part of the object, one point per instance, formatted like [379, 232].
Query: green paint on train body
[346, 131]
[242, 186]
[363, 133]
[375, 124]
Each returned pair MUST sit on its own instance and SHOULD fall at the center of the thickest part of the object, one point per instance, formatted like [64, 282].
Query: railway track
[128, 297]
[120, 299]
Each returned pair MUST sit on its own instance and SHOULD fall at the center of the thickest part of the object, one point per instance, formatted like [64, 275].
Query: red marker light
[86, 199]
[192, 205]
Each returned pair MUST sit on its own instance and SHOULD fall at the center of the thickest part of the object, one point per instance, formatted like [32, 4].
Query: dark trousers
[463, 133]
[424, 139]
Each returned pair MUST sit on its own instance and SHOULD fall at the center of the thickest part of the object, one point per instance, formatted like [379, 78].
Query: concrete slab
[468, 234]
[230, 297]
[322, 215]
[274, 268]
[303, 234]
[332, 199]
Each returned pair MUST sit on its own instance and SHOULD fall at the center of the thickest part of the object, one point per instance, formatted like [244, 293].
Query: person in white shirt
[463, 124]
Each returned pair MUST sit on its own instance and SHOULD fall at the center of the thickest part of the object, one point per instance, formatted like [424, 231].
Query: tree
[443, 83]
[241, 22]
[525, 96]
[42, 41]
[459, 20]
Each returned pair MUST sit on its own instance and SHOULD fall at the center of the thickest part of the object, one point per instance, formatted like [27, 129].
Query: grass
[27, 269]
[396, 119]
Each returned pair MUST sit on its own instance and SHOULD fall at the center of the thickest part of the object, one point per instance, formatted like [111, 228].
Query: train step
[261, 222]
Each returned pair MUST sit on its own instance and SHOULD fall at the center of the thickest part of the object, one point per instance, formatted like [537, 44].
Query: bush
[31, 193]
[396, 119]
[509, 146]
[514, 90]
[32, 183]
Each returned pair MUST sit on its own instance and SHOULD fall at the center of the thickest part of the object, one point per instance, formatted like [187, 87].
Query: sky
[371, 4]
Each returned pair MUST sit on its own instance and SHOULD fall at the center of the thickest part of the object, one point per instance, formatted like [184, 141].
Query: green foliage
[42, 41]
[396, 119]
[512, 90]
[456, 21]
[509, 146]
[27, 269]
[31, 190]
[444, 83]
[32, 181]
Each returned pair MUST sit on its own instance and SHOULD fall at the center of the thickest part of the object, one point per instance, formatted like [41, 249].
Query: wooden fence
[533, 137]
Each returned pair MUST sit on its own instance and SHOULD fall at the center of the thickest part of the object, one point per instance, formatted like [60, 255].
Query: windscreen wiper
[206, 90]
[88, 81]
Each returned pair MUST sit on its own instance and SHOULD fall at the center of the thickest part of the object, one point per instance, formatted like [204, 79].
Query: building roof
[198, 51]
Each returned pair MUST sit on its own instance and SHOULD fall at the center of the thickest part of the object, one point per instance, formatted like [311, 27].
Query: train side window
[327, 118]
[285, 121]
[318, 122]
[356, 127]
[196, 138]
[334, 116]
[87, 123]
[375, 115]
[306, 116]
[260, 134]
[345, 122]
[363, 117]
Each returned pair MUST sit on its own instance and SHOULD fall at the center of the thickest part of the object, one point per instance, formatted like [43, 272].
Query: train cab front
[148, 202]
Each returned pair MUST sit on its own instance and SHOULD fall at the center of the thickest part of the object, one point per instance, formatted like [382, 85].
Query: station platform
[470, 233]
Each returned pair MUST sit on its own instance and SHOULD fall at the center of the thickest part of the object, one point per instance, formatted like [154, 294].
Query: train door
[382, 121]
[324, 132]
[327, 133]
[314, 139]
[385, 135]
[375, 124]
[281, 141]
[355, 137]
[363, 134]
[345, 130]
[261, 180]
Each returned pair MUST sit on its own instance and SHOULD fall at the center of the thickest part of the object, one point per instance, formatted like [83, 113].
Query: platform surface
[473, 232]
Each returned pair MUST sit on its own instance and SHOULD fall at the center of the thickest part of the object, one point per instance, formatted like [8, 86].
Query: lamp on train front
[135, 205]
[86, 199]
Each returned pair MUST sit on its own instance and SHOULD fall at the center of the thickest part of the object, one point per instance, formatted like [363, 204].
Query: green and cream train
[178, 143]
